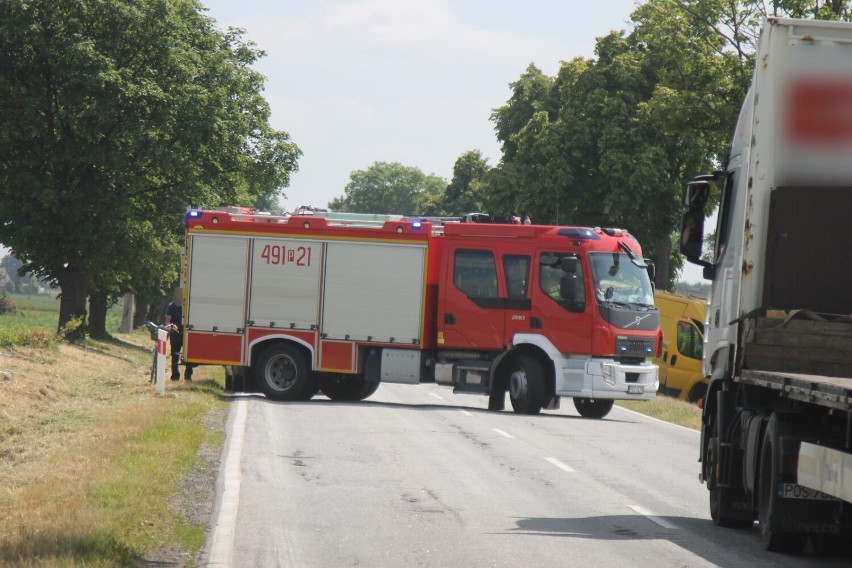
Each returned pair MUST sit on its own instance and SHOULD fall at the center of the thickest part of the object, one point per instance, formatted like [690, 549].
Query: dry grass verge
[91, 458]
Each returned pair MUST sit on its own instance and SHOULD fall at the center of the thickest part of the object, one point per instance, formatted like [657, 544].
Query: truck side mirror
[692, 234]
[697, 193]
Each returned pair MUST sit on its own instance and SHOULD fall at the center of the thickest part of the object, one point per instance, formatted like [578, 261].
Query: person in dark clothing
[174, 318]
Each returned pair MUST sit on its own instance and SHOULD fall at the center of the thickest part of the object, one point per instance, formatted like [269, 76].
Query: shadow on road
[726, 548]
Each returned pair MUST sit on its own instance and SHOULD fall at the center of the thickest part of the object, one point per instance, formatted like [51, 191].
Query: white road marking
[652, 517]
[465, 412]
[439, 397]
[221, 539]
[504, 434]
[560, 465]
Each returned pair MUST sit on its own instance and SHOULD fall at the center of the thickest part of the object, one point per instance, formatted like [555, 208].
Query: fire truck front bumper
[607, 379]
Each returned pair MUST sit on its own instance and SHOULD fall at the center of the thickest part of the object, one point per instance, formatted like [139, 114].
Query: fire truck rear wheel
[589, 408]
[282, 373]
[527, 385]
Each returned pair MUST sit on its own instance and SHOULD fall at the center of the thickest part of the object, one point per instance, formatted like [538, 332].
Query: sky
[411, 81]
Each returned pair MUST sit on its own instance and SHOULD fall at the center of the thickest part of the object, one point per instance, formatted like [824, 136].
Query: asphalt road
[418, 476]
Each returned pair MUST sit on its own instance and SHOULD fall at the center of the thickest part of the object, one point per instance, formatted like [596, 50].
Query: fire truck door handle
[535, 323]
[449, 319]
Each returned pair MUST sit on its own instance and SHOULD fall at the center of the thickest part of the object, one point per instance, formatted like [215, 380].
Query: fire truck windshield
[618, 281]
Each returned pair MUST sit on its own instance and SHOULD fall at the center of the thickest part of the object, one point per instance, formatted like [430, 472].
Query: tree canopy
[116, 116]
[392, 188]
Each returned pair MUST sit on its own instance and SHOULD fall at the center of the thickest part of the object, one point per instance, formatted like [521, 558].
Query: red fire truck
[306, 303]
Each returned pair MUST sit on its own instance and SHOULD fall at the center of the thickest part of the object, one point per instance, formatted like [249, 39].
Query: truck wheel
[526, 385]
[589, 408]
[722, 508]
[282, 373]
[348, 390]
[770, 462]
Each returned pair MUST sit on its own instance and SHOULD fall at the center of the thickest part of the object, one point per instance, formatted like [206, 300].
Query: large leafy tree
[614, 139]
[116, 115]
[392, 188]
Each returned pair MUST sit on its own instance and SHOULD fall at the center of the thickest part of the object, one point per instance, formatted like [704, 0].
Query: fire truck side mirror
[568, 287]
[568, 264]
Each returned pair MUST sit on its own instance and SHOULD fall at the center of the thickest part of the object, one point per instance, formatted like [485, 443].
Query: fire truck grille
[634, 347]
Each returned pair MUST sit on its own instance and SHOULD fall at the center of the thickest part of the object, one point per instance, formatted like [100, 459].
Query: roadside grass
[668, 409]
[33, 323]
[91, 459]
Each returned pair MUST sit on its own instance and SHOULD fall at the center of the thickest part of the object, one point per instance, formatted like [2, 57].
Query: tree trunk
[157, 313]
[74, 286]
[663, 250]
[140, 311]
[97, 314]
[127, 306]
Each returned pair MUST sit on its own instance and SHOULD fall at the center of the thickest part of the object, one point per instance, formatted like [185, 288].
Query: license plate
[635, 389]
[795, 491]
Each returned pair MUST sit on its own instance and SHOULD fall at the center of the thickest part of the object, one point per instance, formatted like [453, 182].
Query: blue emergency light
[191, 214]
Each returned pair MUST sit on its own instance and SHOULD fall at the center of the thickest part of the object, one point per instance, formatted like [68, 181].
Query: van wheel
[526, 385]
[282, 373]
[770, 458]
[589, 408]
[697, 392]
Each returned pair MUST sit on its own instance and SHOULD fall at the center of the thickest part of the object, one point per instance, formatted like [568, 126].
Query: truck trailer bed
[834, 392]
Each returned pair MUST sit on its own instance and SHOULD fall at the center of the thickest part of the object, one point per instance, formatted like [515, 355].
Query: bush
[7, 305]
[32, 337]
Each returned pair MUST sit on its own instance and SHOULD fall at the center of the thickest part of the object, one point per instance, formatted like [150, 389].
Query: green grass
[667, 409]
[36, 318]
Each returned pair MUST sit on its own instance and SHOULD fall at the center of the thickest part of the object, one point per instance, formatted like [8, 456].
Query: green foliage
[466, 190]
[7, 305]
[31, 323]
[818, 10]
[116, 116]
[392, 188]
[73, 330]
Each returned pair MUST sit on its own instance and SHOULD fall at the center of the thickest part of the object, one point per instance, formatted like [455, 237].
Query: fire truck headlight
[609, 374]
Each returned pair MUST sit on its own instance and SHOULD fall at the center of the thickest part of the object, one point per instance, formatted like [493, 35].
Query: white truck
[776, 442]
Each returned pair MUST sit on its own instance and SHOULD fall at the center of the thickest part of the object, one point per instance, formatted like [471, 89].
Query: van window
[689, 341]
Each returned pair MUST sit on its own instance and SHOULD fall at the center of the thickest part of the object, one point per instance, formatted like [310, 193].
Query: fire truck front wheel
[282, 373]
[348, 389]
[527, 385]
[589, 408]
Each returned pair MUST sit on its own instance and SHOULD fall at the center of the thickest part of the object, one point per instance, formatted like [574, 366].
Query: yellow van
[682, 321]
